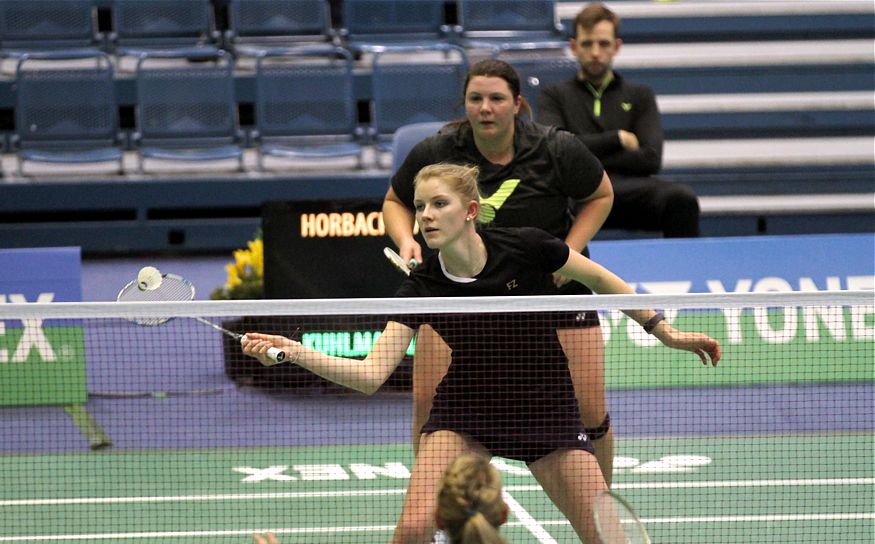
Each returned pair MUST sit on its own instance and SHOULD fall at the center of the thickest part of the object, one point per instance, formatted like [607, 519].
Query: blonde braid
[469, 501]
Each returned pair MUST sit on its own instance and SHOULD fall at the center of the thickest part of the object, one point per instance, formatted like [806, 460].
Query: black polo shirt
[552, 167]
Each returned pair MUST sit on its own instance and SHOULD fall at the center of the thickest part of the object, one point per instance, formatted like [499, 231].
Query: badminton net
[110, 431]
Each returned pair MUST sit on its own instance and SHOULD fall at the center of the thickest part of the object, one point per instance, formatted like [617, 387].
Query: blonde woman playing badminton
[529, 173]
[470, 507]
[474, 410]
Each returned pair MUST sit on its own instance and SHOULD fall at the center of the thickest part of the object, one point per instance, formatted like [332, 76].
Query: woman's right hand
[266, 538]
[256, 344]
[411, 253]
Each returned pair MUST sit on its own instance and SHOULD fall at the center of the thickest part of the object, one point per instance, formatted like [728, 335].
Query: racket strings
[171, 289]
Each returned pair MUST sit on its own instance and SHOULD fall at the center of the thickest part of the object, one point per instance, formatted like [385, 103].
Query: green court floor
[787, 488]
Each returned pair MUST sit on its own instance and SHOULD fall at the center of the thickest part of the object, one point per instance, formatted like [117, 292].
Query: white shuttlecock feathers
[149, 278]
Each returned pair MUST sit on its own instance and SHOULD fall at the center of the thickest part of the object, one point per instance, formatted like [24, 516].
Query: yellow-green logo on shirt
[627, 106]
[490, 206]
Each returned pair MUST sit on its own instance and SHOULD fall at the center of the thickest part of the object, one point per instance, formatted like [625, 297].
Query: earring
[468, 219]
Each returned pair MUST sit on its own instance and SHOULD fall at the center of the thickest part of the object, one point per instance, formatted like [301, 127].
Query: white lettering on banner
[342, 224]
[832, 317]
[861, 315]
[731, 315]
[772, 326]
[32, 336]
[633, 330]
[787, 331]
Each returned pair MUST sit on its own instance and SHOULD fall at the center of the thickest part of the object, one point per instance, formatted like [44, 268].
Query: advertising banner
[324, 250]
[769, 345]
[41, 361]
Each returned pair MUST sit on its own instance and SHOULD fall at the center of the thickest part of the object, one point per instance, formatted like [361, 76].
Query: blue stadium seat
[405, 92]
[380, 23]
[706, 21]
[27, 25]
[255, 24]
[66, 114]
[540, 71]
[305, 106]
[491, 23]
[408, 136]
[187, 112]
[162, 24]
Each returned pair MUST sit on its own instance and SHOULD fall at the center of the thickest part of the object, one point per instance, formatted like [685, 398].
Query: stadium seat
[162, 24]
[256, 24]
[492, 23]
[710, 21]
[188, 112]
[384, 23]
[66, 114]
[305, 106]
[26, 25]
[408, 136]
[405, 92]
[540, 69]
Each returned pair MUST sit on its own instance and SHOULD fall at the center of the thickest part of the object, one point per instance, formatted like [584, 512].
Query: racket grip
[277, 355]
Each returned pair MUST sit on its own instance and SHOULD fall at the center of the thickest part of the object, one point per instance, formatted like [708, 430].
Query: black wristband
[651, 323]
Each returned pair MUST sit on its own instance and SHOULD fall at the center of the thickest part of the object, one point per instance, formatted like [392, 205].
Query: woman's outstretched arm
[362, 375]
[603, 281]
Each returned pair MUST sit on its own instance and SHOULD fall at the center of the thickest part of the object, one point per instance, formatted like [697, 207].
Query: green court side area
[760, 346]
[759, 488]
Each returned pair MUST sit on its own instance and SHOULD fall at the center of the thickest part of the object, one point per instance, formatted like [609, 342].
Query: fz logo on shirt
[490, 206]
[511, 285]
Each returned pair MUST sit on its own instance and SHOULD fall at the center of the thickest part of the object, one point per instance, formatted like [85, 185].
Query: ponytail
[470, 506]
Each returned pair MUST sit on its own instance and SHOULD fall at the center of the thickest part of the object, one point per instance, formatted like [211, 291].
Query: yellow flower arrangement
[245, 274]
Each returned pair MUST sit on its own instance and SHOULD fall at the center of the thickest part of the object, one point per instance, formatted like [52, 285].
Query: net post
[97, 437]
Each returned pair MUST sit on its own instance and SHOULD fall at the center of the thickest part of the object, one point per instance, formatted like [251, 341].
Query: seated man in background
[619, 122]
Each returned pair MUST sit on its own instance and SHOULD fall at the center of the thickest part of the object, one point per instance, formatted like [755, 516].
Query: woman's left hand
[266, 538]
[559, 280]
[701, 344]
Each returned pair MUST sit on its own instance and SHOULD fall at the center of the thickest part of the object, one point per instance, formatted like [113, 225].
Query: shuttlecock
[149, 278]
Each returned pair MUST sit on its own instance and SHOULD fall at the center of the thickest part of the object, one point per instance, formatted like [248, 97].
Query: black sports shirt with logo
[551, 167]
[508, 385]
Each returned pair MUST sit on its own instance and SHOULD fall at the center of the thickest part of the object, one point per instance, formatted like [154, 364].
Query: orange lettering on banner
[308, 227]
[342, 225]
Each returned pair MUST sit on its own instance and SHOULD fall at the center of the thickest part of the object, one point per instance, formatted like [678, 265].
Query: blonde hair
[469, 503]
[462, 180]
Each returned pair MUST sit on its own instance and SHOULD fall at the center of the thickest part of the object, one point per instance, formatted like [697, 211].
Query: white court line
[195, 498]
[723, 484]
[362, 493]
[527, 520]
[764, 517]
[182, 534]
[842, 516]
[387, 528]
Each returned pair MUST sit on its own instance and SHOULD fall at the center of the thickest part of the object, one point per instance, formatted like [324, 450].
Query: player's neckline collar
[452, 277]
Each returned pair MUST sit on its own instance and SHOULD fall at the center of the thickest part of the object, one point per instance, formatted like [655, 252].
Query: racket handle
[276, 355]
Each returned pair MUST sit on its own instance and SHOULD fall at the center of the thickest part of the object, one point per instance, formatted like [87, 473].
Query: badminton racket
[616, 521]
[398, 262]
[173, 288]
